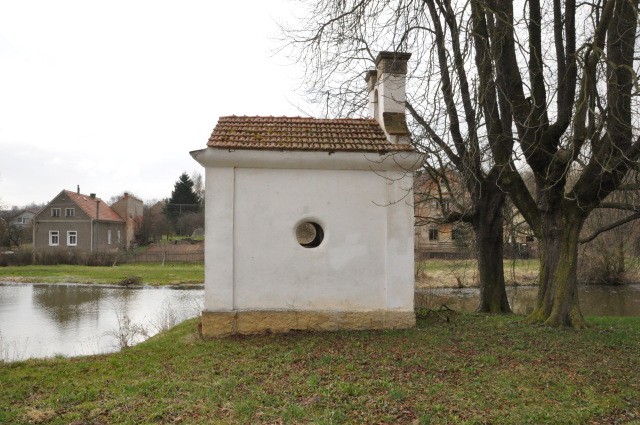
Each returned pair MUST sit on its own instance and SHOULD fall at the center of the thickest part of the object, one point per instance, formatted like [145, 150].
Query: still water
[43, 320]
[595, 300]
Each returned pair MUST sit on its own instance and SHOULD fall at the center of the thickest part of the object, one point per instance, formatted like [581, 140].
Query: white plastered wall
[253, 260]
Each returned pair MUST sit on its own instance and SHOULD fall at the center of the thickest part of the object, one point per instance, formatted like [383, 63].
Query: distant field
[151, 273]
[436, 273]
[430, 273]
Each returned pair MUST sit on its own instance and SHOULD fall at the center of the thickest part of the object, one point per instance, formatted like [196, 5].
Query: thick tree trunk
[488, 228]
[557, 302]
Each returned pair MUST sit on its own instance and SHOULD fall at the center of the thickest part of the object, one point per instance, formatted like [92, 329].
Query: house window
[54, 238]
[72, 238]
[118, 236]
[108, 237]
[55, 212]
[69, 212]
[441, 204]
[22, 220]
[434, 234]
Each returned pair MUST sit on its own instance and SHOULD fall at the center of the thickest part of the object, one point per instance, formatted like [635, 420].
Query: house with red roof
[309, 222]
[73, 221]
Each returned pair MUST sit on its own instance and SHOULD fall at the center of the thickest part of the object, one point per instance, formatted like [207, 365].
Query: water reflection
[595, 300]
[42, 320]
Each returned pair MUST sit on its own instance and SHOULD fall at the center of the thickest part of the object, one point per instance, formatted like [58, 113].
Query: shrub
[27, 258]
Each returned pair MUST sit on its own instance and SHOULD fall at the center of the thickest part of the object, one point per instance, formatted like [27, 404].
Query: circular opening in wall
[309, 234]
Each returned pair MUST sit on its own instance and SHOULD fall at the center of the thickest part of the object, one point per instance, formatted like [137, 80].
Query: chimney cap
[393, 62]
[371, 78]
[92, 195]
[371, 74]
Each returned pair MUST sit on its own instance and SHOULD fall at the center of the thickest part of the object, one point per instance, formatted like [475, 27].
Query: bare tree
[153, 223]
[189, 222]
[588, 130]
[340, 39]
[198, 186]
[558, 78]
[116, 198]
[610, 236]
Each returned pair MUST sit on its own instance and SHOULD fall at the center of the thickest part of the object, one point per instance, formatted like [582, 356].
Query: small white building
[309, 222]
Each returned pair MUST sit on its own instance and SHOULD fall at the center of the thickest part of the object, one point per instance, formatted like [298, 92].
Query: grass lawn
[473, 369]
[438, 273]
[152, 273]
[429, 273]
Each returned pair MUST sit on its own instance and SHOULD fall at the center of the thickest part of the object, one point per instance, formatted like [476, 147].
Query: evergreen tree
[183, 199]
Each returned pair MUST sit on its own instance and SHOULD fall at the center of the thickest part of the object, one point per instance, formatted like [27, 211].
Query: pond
[45, 320]
[595, 300]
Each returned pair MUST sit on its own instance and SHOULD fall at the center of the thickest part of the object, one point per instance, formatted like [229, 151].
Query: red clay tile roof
[89, 206]
[298, 133]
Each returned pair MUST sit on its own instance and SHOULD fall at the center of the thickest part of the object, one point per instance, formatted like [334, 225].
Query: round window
[309, 234]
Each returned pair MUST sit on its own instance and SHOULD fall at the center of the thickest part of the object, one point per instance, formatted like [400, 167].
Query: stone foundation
[223, 323]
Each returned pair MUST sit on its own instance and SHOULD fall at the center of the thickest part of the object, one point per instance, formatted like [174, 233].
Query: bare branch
[610, 227]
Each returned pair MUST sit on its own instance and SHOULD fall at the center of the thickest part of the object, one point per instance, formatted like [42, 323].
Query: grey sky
[113, 95]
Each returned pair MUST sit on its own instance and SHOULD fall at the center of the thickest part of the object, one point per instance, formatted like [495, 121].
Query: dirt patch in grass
[39, 416]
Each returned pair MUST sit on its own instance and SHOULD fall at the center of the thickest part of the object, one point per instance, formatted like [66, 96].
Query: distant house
[73, 221]
[130, 209]
[439, 198]
[434, 199]
[23, 219]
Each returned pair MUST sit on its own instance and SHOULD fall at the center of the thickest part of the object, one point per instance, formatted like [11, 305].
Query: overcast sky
[113, 95]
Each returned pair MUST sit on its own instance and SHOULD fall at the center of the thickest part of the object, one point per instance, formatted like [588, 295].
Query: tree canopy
[498, 89]
[183, 199]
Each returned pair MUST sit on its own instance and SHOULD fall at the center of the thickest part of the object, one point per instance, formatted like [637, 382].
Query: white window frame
[118, 236]
[72, 234]
[22, 220]
[69, 212]
[54, 234]
[55, 212]
[109, 237]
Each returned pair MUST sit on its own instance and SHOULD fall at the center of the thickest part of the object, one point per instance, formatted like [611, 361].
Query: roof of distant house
[19, 213]
[300, 133]
[90, 206]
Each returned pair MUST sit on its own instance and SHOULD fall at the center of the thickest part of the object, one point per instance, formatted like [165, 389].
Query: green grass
[152, 273]
[435, 264]
[474, 369]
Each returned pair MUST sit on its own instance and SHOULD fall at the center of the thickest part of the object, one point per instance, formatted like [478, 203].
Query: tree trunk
[488, 228]
[557, 303]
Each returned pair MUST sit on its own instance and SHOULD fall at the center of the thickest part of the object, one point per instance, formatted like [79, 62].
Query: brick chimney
[387, 94]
